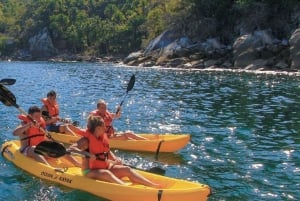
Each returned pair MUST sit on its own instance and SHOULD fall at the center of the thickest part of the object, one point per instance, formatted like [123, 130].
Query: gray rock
[209, 63]
[281, 65]
[41, 46]
[133, 56]
[295, 49]
[249, 47]
[162, 41]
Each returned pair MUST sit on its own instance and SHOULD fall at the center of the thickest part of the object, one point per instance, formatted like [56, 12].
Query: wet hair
[100, 102]
[33, 109]
[93, 122]
[51, 93]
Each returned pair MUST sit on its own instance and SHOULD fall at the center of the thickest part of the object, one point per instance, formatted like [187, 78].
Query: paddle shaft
[22, 111]
[129, 87]
[155, 170]
[10, 99]
[74, 123]
[56, 150]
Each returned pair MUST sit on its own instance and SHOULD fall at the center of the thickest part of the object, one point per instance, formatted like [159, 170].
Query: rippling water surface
[245, 127]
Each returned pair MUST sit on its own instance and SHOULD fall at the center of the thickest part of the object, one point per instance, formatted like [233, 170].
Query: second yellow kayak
[155, 142]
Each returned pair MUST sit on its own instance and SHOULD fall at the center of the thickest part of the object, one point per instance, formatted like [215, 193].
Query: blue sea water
[245, 127]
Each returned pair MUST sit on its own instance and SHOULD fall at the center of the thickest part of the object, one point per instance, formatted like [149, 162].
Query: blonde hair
[93, 122]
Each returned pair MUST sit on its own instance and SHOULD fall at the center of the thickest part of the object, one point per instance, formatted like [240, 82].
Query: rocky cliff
[257, 50]
[259, 37]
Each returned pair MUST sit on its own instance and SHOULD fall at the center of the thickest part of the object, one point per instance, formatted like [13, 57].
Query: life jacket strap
[32, 136]
[102, 156]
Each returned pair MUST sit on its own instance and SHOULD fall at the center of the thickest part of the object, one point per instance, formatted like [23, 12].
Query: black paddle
[9, 99]
[56, 150]
[74, 123]
[129, 87]
[51, 149]
[7, 81]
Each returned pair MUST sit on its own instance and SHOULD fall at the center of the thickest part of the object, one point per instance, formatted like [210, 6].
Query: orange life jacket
[99, 147]
[107, 121]
[34, 134]
[52, 109]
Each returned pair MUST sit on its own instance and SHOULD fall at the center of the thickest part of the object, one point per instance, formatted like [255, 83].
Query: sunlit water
[245, 127]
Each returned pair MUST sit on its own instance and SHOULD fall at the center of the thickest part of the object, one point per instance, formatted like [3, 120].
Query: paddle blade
[50, 149]
[7, 97]
[131, 83]
[75, 123]
[157, 170]
[8, 81]
[154, 170]
[46, 114]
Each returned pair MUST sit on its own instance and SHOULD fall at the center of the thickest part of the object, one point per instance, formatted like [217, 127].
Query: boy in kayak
[31, 134]
[53, 122]
[102, 164]
[108, 118]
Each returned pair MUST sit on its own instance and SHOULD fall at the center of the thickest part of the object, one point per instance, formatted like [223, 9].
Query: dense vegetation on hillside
[120, 26]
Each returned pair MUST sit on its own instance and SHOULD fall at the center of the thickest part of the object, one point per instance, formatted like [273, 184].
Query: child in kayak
[102, 164]
[51, 107]
[108, 118]
[31, 134]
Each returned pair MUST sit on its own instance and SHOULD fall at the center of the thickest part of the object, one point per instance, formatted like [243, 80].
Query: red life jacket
[107, 121]
[99, 147]
[52, 109]
[34, 134]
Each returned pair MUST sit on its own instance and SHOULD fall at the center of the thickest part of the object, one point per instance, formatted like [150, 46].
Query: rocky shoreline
[259, 51]
[256, 51]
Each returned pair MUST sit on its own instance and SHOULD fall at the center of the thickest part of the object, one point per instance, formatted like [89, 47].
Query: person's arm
[114, 159]
[78, 147]
[80, 131]
[116, 115]
[21, 129]
[119, 110]
[48, 119]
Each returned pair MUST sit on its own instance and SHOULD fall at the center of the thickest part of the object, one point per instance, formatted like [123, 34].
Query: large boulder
[295, 49]
[41, 46]
[178, 48]
[247, 48]
[133, 56]
[162, 41]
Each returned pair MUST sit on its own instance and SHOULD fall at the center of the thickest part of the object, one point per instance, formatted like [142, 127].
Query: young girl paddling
[103, 164]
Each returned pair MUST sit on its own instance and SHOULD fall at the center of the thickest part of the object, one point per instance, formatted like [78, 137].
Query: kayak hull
[154, 142]
[70, 176]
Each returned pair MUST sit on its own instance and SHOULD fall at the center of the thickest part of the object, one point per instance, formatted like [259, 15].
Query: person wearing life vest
[31, 133]
[101, 163]
[53, 122]
[108, 118]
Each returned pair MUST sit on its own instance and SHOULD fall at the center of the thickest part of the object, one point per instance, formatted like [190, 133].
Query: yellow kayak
[154, 143]
[70, 176]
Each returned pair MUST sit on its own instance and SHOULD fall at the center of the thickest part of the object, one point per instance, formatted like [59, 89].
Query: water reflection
[161, 158]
